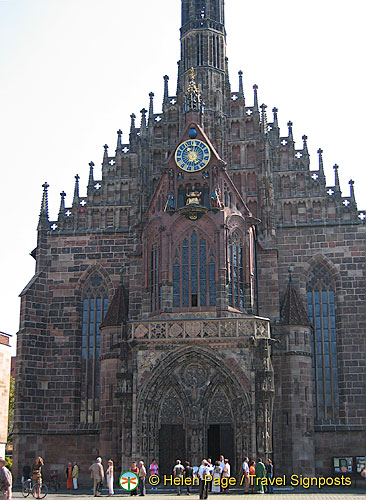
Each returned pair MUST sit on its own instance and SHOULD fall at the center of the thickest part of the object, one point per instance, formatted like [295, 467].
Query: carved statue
[170, 203]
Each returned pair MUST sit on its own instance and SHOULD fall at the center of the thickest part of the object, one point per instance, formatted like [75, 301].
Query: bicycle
[54, 484]
[38, 490]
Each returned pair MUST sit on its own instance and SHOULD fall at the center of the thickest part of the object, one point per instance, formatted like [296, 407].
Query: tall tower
[203, 47]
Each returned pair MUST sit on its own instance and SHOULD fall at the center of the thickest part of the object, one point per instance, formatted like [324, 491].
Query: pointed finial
[192, 96]
[352, 190]
[166, 91]
[290, 136]
[290, 271]
[43, 222]
[151, 107]
[305, 144]
[91, 178]
[143, 122]
[336, 177]
[255, 88]
[241, 87]
[119, 142]
[263, 118]
[61, 211]
[275, 117]
[75, 201]
[321, 166]
[44, 204]
[133, 129]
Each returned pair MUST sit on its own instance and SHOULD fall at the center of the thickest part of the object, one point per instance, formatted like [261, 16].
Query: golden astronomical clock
[192, 155]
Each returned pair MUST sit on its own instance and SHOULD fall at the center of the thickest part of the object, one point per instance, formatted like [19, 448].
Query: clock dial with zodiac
[192, 155]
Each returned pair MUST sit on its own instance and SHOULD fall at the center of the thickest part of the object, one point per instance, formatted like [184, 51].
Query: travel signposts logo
[128, 481]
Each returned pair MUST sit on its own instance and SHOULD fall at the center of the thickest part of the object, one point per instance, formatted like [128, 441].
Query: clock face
[192, 155]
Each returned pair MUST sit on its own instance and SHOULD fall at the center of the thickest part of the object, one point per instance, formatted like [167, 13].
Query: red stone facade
[160, 321]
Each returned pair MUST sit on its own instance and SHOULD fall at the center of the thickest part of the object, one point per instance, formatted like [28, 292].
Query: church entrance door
[171, 447]
[220, 442]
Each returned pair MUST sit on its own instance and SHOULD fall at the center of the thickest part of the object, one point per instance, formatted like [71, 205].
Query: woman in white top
[216, 476]
[109, 475]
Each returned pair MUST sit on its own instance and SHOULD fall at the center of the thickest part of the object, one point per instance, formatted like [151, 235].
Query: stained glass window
[194, 281]
[321, 308]
[95, 305]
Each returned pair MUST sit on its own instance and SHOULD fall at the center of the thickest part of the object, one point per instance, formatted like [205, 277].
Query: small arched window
[194, 273]
[321, 307]
[95, 305]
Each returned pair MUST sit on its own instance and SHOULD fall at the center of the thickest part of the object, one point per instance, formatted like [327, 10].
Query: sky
[72, 72]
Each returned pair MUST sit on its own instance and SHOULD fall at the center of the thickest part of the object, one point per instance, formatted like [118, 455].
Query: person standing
[202, 473]
[246, 474]
[6, 481]
[75, 475]
[97, 474]
[69, 476]
[134, 469]
[188, 474]
[109, 475]
[210, 467]
[216, 478]
[226, 474]
[260, 473]
[178, 471]
[154, 471]
[37, 475]
[142, 478]
[269, 473]
[252, 475]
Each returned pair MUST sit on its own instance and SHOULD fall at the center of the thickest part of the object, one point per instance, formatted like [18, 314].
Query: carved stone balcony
[205, 328]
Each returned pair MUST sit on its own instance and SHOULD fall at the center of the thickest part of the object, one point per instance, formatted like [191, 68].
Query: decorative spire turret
[255, 88]
[275, 117]
[321, 166]
[166, 91]
[43, 222]
[305, 144]
[290, 135]
[263, 118]
[293, 311]
[105, 154]
[133, 129]
[241, 87]
[75, 200]
[119, 142]
[192, 96]
[143, 122]
[352, 191]
[91, 178]
[151, 107]
[336, 179]
[61, 212]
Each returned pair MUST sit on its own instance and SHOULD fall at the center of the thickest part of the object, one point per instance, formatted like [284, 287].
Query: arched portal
[192, 404]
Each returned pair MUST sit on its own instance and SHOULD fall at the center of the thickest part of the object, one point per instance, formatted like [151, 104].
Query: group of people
[72, 475]
[97, 474]
[254, 472]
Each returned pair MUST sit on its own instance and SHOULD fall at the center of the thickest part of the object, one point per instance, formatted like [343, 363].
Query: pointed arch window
[155, 285]
[95, 305]
[194, 273]
[236, 272]
[321, 308]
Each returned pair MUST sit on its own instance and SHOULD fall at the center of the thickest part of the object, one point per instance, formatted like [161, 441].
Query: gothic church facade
[162, 320]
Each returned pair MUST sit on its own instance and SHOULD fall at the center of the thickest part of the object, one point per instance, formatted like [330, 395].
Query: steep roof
[118, 309]
[293, 311]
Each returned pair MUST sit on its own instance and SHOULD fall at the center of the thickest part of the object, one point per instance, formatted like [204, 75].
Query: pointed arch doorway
[172, 436]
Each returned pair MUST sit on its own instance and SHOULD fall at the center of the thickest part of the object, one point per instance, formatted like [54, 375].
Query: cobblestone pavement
[339, 494]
